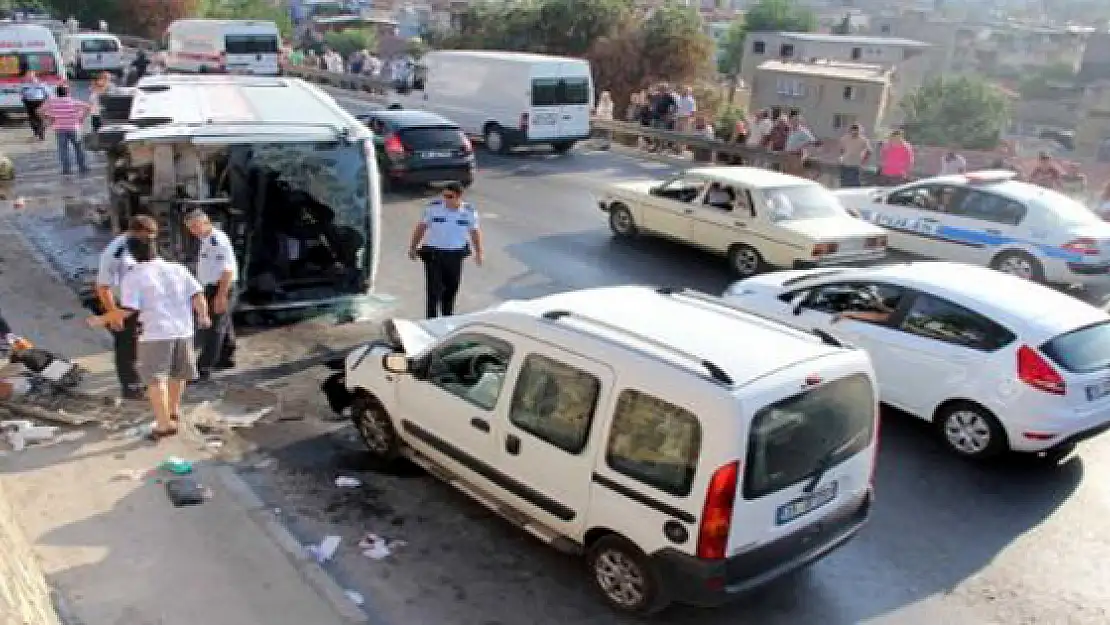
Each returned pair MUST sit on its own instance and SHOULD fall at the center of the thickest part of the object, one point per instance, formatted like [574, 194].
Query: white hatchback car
[987, 218]
[996, 362]
[756, 217]
[691, 453]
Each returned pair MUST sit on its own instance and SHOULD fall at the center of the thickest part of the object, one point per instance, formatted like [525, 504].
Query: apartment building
[830, 95]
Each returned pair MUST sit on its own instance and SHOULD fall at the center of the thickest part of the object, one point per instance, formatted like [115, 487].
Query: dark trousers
[37, 125]
[216, 344]
[442, 276]
[849, 176]
[97, 124]
[125, 343]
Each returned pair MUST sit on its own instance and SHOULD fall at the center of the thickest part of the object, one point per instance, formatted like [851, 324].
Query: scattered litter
[355, 597]
[214, 443]
[377, 547]
[347, 482]
[19, 434]
[139, 431]
[326, 549]
[177, 466]
[186, 492]
[71, 437]
[128, 475]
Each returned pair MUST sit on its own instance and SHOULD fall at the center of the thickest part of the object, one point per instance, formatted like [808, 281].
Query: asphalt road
[949, 543]
[1021, 542]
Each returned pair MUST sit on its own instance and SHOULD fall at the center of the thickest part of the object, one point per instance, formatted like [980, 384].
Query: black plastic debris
[185, 492]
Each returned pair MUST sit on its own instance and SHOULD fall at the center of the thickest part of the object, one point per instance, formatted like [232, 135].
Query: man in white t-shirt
[686, 105]
[165, 296]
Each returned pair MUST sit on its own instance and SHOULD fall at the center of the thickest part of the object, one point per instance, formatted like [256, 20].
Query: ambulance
[25, 47]
[223, 46]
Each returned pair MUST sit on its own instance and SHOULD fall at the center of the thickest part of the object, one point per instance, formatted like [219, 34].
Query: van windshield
[251, 44]
[793, 438]
[309, 229]
[14, 65]
[93, 46]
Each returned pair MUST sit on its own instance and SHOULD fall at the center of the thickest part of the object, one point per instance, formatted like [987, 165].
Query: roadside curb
[312, 573]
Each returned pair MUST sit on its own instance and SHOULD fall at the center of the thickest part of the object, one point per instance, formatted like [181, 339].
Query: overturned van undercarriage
[298, 212]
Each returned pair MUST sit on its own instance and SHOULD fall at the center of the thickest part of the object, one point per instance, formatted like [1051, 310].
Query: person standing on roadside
[1046, 173]
[445, 236]
[218, 273]
[855, 149]
[952, 163]
[115, 263]
[34, 94]
[96, 92]
[798, 142]
[67, 118]
[165, 297]
[896, 159]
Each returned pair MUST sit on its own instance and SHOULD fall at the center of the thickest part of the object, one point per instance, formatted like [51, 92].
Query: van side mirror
[798, 301]
[396, 363]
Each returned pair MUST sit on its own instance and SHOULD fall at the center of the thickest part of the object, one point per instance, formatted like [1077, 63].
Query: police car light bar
[990, 175]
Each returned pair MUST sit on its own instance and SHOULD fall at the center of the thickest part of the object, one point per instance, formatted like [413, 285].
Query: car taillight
[524, 121]
[1083, 245]
[716, 516]
[466, 145]
[824, 249]
[1035, 371]
[393, 146]
[873, 243]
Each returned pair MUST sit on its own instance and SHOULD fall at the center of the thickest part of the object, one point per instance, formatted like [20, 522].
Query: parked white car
[691, 454]
[990, 219]
[996, 362]
[756, 217]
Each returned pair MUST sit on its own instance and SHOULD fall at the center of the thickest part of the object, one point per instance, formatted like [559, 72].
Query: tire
[744, 260]
[970, 431]
[375, 428]
[466, 181]
[621, 221]
[1019, 264]
[625, 577]
[495, 140]
[562, 147]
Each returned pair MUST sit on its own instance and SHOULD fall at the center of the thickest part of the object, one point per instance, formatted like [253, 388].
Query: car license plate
[853, 245]
[804, 505]
[1098, 391]
[435, 154]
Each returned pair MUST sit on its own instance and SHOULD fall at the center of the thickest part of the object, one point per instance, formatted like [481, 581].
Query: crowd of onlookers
[398, 68]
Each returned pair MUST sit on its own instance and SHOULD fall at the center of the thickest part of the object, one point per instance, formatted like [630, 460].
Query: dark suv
[417, 147]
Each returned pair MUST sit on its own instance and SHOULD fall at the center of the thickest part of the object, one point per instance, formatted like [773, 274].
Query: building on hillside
[1092, 131]
[831, 96]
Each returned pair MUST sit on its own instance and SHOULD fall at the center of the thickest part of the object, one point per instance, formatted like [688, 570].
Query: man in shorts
[165, 296]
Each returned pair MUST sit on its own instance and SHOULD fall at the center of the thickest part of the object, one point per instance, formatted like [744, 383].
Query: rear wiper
[826, 462]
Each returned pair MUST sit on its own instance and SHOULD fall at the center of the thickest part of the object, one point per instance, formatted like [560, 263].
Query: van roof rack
[719, 303]
[716, 373]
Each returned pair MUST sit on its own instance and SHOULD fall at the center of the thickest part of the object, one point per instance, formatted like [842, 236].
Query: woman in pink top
[896, 157]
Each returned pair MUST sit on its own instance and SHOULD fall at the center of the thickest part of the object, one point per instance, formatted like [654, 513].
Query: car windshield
[1066, 210]
[811, 201]
[1081, 351]
[792, 439]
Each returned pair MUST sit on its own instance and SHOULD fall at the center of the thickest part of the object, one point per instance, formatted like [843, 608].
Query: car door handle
[740, 224]
[480, 424]
[993, 231]
[930, 220]
[512, 444]
[567, 117]
[689, 211]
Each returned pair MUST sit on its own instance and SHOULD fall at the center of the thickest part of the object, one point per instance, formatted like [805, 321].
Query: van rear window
[251, 44]
[93, 46]
[15, 65]
[560, 91]
[794, 438]
[432, 138]
[1081, 351]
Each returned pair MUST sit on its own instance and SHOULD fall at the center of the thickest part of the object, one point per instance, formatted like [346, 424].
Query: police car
[989, 218]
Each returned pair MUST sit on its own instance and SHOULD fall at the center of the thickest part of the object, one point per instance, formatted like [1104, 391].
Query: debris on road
[186, 492]
[344, 481]
[11, 388]
[177, 466]
[378, 548]
[326, 549]
[355, 597]
[129, 475]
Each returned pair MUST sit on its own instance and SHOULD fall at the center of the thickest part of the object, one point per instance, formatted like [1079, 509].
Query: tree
[1043, 83]
[247, 9]
[963, 111]
[347, 42]
[765, 16]
[149, 18]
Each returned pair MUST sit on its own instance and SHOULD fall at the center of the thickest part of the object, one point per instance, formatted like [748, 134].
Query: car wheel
[621, 222]
[375, 427]
[971, 431]
[495, 140]
[625, 577]
[562, 147]
[1019, 264]
[744, 260]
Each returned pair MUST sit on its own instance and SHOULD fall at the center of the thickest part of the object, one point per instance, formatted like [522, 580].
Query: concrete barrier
[25, 599]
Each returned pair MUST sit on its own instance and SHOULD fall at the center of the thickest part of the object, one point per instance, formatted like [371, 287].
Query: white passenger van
[691, 452]
[92, 53]
[26, 47]
[218, 46]
[288, 173]
[509, 98]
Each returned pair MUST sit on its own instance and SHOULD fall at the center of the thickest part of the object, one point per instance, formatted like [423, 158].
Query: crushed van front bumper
[705, 583]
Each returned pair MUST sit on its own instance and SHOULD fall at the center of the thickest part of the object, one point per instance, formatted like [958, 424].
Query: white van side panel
[475, 92]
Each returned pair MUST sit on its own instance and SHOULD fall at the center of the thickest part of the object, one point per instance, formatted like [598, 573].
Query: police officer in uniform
[446, 235]
[115, 262]
[218, 272]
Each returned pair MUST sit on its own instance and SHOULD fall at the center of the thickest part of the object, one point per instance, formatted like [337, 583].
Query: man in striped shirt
[67, 117]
